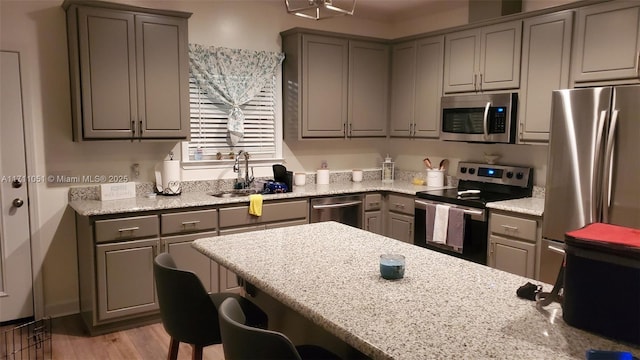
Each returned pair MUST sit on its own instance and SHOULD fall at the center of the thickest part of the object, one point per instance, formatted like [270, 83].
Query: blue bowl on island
[392, 266]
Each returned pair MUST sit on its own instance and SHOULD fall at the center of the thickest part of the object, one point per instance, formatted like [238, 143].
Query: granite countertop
[444, 307]
[532, 206]
[196, 198]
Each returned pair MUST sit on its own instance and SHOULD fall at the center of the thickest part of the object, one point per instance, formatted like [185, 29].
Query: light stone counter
[531, 206]
[191, 199]
[444, 307]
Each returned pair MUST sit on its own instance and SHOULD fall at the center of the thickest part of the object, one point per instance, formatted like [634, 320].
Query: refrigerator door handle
[486, 121]
[595, 177]
[608, 163]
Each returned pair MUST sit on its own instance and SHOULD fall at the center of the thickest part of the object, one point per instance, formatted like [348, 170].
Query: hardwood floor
[70, 342]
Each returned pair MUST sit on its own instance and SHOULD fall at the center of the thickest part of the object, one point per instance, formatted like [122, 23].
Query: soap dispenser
[387, 170]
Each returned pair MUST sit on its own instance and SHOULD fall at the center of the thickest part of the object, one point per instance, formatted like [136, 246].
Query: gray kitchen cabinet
[513, 242]
[416, 88]
[129, 71]
[607, 42]
[336, 86]
[179, 230]
[373, 213]
[368, 95]
[546, 52]
[400, 218]
[486, 58]
[115, 270]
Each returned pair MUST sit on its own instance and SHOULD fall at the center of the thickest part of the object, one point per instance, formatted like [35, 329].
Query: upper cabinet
[129, 71]
[607, 42]
[335, 87]
[416, 87]
[546, 50]
[486, 58]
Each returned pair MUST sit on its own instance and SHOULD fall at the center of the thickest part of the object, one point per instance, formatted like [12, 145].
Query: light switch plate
[117, 191]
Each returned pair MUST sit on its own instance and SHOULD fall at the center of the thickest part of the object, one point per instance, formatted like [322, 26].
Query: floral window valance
[232, 76]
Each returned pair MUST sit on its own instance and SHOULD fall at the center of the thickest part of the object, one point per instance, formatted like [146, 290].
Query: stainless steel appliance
[478, 184]
[593, 168]
[347, 209]
[487, 118]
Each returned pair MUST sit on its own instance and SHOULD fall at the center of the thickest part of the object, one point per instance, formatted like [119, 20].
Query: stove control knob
[472, 171]
[519, 176]
[509, 174]
[463, 170]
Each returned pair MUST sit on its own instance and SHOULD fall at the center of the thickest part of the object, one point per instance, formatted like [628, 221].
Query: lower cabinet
[373, 213]
[513, 242]
[400, 218]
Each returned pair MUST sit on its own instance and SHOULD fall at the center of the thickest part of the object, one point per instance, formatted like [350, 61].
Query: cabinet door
[373, 222]
[188, 258]
[229, 281]
[125, 278]
[428, 86]
[607, 42]
[545, 67]
[107, 63]
[500, 56]
[403, 77]
[325, 65]
[368, 89]
[162, 76]
[461, 61]
[516, 257]
[400, 227]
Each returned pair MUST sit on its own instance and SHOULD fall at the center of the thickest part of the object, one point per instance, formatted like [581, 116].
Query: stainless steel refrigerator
[593, 172]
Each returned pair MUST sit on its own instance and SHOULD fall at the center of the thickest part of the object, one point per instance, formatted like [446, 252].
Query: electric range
[478, 185]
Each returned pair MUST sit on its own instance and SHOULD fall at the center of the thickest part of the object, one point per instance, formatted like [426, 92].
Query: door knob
[18, 202]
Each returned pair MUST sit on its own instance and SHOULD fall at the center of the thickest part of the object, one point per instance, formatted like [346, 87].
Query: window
[209, 126]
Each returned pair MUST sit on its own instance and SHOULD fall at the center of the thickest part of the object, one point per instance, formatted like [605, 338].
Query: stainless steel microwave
[489, 118]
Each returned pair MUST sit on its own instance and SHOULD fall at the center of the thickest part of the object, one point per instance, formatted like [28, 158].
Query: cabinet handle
[475, 80]
[140, 138]
[638, 64]
[374, 204]
[350, 131]
[133, 130]
[509, 227]
[129, 229]
[480, 83]
[399, 206]
[194, 222]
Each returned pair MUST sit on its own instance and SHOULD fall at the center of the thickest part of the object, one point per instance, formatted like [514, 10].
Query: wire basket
[31, 341]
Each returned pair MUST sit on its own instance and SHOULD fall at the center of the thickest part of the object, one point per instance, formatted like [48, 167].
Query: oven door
[475, 232]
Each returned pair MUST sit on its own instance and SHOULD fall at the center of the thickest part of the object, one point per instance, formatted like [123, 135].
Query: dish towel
[431, 216]
[441, 224]
[255, 204]
[455, 231]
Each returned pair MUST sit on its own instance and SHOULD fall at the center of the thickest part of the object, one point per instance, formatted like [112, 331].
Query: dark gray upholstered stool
[242, 341]
[190, 314]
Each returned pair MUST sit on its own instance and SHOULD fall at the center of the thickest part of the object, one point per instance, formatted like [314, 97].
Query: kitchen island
[444, 307]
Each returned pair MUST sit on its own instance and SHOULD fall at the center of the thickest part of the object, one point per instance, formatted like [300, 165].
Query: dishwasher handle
[337, 205]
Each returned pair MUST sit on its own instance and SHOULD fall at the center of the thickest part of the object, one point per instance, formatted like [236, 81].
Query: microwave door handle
[486, 121]
[608, 163]
[596, 171]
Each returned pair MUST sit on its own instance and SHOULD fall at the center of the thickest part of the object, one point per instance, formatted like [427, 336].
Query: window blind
[209, 125]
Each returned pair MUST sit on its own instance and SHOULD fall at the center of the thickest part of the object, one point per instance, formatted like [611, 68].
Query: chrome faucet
[248, 179]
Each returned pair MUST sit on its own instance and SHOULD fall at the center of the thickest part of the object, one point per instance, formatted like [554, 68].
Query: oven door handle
[338, 205]
[466, 211]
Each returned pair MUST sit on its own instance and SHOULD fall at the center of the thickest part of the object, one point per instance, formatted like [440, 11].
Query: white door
[16, 284]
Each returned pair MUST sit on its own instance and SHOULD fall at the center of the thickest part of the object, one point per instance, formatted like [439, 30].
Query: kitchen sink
[235, 193]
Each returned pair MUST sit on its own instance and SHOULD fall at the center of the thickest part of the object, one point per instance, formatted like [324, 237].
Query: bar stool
[242, 341]
[190, 314]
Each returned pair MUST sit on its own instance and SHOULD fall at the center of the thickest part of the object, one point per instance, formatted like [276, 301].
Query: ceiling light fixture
[320, 9]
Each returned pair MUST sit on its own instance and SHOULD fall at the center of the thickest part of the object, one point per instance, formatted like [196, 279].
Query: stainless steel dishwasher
[347, 209]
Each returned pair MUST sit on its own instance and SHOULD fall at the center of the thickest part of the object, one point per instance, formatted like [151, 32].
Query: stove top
[482, 183]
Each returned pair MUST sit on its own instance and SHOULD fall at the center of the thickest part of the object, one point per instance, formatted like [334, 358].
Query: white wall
[37, 29]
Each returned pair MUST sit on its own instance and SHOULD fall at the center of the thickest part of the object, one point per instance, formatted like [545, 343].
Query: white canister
[435, 178]
[299, 179]
[356, 175]
[322, 177]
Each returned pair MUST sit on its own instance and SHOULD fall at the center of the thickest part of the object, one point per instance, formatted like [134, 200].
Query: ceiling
[397, 9]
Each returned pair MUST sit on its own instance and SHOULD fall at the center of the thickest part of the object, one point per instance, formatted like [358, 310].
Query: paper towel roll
[168, 179]
[322, 177]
